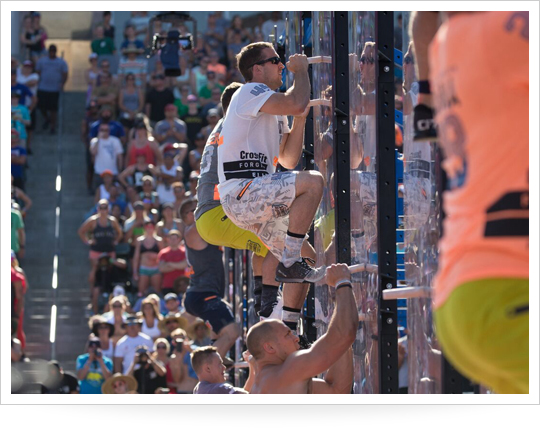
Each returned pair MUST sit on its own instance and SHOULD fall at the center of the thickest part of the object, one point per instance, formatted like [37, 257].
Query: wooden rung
[320, 59]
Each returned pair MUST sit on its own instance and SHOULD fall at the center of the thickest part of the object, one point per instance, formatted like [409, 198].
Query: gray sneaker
[300, 271]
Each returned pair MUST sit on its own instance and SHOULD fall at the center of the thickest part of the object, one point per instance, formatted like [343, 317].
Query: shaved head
[259, 334]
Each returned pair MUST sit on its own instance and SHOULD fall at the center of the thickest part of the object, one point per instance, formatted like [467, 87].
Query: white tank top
[251, 139]
[151, 332]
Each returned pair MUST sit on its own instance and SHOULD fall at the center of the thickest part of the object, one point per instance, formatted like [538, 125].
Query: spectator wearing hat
[170, 171]
[41, 33]
[199, 333]
[212, 83]
[210, 370]
[172, 261]
[53, 74]
[193, 119]
[170, 323]
[91, 74]
[172, 303]
[126, 348]
[171, 129]
[102, 45]
[157, 97]
[120, 384]
[149, 373]
[104, 331]
[168, 223]
[106, 117]
[18, 160]
[26, 96]
[93, 368]
[103, 191]
[133, 63]
[107, 152]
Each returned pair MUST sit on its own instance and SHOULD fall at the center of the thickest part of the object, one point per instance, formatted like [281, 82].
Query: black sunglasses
[408, 60]
[364, 60]
[274, 60]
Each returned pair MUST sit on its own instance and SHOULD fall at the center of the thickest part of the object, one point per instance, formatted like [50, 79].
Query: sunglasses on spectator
[103, 207]
[274, 60]
[161, 346]
[104, 130]
[408, 60]
[104, 326]
[364, 60]
[94, 344]
[117, 306]
[170, 321]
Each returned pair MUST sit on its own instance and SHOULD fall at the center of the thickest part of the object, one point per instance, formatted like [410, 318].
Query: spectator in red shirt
[18, 290]
[172, 262]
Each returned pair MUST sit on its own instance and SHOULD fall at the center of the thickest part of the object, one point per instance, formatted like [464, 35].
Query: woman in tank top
[168, 222]
[162, 349]
[131, 101]
[143, 144]
[91, 75]
[150, 316]
[145, 260]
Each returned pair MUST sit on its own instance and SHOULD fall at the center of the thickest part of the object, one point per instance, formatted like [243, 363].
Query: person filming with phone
[150, 374]
[93, 368]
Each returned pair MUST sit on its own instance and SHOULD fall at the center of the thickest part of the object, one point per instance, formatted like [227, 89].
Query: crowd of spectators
[144, 134]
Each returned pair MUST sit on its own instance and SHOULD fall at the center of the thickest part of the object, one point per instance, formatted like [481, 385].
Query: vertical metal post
[342, 152]
[386, 200]
[309, 164]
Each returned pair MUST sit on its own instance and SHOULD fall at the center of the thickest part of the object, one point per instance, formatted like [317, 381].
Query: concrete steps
[72, 294]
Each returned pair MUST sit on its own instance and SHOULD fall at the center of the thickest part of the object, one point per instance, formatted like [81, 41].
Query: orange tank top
[479, 66]
[146, 151]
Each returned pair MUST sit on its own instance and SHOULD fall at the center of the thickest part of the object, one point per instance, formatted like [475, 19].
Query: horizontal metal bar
[363, 267]
[320, 59]
[406, 293]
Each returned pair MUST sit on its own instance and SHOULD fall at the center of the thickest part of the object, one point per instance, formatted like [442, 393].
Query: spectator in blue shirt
[18, 160]
[21, 114]
[93, 368]
[105, 116]
[23, 90]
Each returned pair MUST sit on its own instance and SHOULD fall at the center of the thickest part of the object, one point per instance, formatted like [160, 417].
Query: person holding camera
[149, 373]
[184, 378]
[127, 346]
[93, 368]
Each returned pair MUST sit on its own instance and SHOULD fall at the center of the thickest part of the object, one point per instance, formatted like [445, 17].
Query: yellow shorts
[216, 228]
[483, 328]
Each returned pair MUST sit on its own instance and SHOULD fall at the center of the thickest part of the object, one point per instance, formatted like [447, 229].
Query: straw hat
[182, 322]
[96, 321]
[131, 382]
[191, 328]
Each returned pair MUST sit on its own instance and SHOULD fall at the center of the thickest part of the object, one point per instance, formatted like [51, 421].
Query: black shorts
[32, 120]
[209, 307]
[48, 101]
